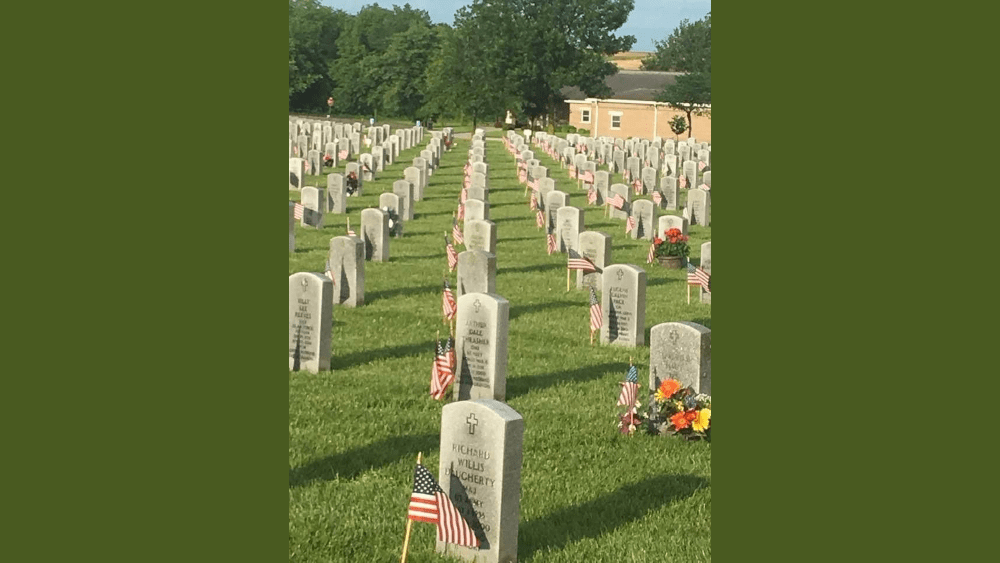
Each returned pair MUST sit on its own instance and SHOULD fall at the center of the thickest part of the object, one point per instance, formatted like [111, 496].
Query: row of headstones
[640, 163]
[699, 200]
[318, 151]
[481, 350]
[317, 133]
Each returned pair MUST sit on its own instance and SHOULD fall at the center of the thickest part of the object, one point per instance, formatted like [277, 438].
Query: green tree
[687, 49]
[688, 93]
[313, 30]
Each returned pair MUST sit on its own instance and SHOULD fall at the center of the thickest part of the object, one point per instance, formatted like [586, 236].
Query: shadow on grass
[519, 310]
[387, 293]
[517, 386]
[365, 356]
[354, 462]
[604, 514]
[535, 268]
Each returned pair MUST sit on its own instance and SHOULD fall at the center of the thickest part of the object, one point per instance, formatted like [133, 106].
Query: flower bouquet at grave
[327, 160]
[674, 243]
[680, 411]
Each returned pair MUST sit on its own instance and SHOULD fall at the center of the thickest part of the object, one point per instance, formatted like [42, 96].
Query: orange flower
[680, 421]
[669, 386]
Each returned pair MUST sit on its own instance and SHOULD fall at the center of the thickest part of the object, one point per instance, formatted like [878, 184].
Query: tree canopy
[498, 55]
[688, 50]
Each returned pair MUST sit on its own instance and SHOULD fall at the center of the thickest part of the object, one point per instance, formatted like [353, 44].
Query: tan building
[631, 111]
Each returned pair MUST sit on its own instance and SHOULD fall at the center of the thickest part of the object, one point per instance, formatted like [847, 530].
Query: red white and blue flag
[595, 312]
[448, 306]
[697, 276]
[428, 503]
[452, 255]
[298, 211]
[617, 201]
[630, 389]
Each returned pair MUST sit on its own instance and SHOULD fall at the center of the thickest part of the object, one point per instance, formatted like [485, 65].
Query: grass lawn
[588, 493]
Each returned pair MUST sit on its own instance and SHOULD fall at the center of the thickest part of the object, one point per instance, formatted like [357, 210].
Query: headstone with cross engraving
[626, 193]
[375, 234]
[480, 471]
[347, 269]
[477, 209]
[404, 189]
[644, 214]
[569, 222]
[481, 346]
[670, 192]
[553, 201]
[671, 222]
[477, 272]
[480, 235]
[700, 202]
[310, 321]
[596, 247]
[682, 351]
[623, 305]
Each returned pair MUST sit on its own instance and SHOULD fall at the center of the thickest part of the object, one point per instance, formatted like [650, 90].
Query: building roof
[629, 85]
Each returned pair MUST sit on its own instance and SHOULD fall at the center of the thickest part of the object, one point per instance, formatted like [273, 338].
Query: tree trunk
[690, 124]
[474, 122]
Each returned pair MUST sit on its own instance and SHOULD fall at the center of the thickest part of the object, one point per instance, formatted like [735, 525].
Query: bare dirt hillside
[630, 60]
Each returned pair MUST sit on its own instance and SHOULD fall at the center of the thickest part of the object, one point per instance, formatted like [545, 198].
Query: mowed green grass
[588, 493]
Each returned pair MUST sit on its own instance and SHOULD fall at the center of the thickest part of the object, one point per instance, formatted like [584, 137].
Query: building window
[616, 119]
[585, 116]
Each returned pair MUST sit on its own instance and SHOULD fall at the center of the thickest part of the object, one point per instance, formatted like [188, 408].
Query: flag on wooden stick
[429, 503]
[550, 242]
[577, 262]
[298, 211]
[629, 224]
[448, 306]
[630, 389]
[456, 233]
[452, 255]
[592, 196]
[697, 276]
[657, 198]
[539, 218]
[617, 201]
[595, 313]
[652, 253]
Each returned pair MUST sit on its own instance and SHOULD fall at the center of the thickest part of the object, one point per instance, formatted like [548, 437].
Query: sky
[650, 20]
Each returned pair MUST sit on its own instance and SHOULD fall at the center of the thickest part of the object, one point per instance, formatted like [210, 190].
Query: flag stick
[409, 524]
[567, 276]
[689, 294]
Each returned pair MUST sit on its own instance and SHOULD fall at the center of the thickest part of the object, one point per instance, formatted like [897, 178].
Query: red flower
[682, 420]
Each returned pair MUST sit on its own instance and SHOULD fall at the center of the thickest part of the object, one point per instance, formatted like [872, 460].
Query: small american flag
[629, 224]
[577, 262]
[533, 184]
[428, 503]
[342, 154]
[448, 307]
[592, 196]
[588, 177]
[637, 185]
[442, 372]
[452, 255]
[550, 242]
[697, 276]
[533, 204]
[456, 233]
[630, 388]
[705, 187]
[437, 392]
[539, 218]
[627, 175]
[657, 198]
[595, 311]
[461, 212]
[683, 181]
[298, 211]
[306, 166]
[572, 171]
[465, 195]
[652, 253]
[618, 201]
[522, 176]
[701, 165]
